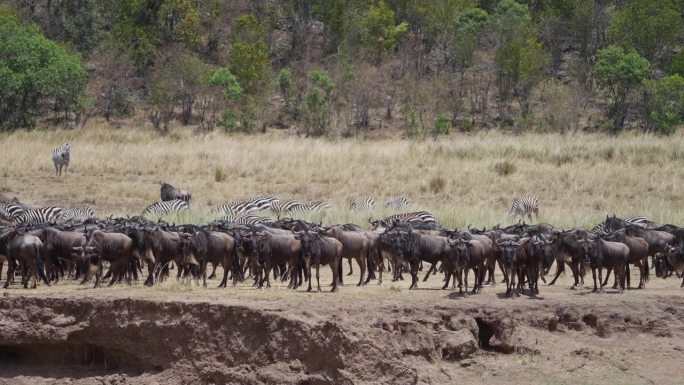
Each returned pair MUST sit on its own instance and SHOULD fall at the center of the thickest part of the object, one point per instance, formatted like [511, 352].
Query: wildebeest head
[461, 248]
[509, 248]
[543, 247]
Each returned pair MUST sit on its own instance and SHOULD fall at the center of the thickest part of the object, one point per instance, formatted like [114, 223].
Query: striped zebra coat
[80, 214]
[362, 204]
[525, 206]
[38, 216]
[61, 157]
[418, 219]
[9, 211]
[293, 207]
[397, 203]
[614, 223]
[162, 208]
[245, 206]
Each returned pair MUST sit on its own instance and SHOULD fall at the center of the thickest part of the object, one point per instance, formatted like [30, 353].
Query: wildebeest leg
[351, 271]
[340, 273]
[505, 278]
[213, 271]
[465, 281]
[98, 274]
[333, 267]
[414, 265]
[575, 275]
[600, 272]
[308, 268]
[361, 260]
[431, 270]
[447, 277]
[318, 276]
[605, 282]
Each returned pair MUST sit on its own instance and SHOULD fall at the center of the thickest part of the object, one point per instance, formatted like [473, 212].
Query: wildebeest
[58, 247]
[354, 245]
[275, 250]
[318, 249]
[169, 193]
[24, 249]
[215, 247]
[469, 254]
[415, 247]
[611, 255]
[115, 248]
[514, 260]
[638, 256]
[569, 251]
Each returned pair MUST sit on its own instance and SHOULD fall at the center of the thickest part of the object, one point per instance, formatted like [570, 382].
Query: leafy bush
[664, 107]
[504, 168]
[442, 125]
[34, 71]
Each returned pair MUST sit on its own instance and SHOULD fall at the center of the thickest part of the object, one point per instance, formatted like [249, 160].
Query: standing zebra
[9, 211]
[245, 206]
[525, 206]
[79, 214]
[38, 216]
[61, 157]
[162, 208]
[362, 204]
[397, 203]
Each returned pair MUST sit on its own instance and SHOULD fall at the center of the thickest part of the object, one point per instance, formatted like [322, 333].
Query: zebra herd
[368, 203]
[242, 211]
[19, 214]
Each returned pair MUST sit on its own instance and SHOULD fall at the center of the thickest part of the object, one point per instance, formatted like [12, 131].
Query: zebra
[525, 206]
[362, 204]
[397, 203]
[61, 157]
[38, 216]
[246, 219]
[162, 208]
[245, 206]
[285, 206]
[416, 218]
[605, 226]
[9, 211]
[79, 214]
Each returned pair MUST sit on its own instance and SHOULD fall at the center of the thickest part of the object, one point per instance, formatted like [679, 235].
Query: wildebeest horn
[370, 220]
[299, 232]
[536, 241]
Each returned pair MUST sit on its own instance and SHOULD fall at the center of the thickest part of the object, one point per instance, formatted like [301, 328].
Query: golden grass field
[462, 179]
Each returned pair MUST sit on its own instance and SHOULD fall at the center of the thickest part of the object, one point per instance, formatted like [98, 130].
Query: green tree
[227, 83]
[34, 71]
[519, 56]
[188, 73]
[620, 74]
[664, 107]
[470, 25]
[160, 102]
[248, 56]
[288, 89]
[317, 104]
[647, 26]
[379, 31]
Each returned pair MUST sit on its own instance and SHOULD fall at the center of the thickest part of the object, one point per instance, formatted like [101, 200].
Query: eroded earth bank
[110, 339]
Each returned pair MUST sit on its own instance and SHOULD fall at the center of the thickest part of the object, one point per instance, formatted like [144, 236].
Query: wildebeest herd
[122, 250]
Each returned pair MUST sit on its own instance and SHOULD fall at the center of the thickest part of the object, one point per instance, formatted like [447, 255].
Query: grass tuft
[504, 168]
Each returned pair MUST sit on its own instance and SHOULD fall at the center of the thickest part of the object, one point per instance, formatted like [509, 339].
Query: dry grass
[578, 178]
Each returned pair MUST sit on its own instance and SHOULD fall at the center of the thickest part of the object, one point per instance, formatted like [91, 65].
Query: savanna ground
[178, 333]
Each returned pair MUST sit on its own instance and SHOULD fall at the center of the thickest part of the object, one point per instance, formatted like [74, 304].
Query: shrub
[219, 175]
[442, 125]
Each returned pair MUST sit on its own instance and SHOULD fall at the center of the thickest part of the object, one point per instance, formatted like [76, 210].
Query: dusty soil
[178, 334]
